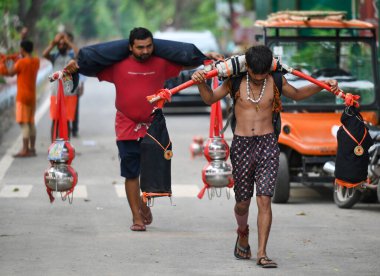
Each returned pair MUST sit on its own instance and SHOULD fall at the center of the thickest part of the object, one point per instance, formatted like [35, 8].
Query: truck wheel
[346, 198]
[282, 188]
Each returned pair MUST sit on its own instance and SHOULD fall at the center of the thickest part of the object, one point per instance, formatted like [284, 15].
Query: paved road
[310, 235]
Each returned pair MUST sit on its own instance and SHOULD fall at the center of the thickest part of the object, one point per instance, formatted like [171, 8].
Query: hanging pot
[196, 147]
[216, 148]
[60, 177]
[61, 151]
[217, 173]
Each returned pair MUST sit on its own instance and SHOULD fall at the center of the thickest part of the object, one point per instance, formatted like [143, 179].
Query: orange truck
[323, 46]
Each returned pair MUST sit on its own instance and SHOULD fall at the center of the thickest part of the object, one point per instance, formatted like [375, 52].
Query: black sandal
[268, 263]
[238, 248]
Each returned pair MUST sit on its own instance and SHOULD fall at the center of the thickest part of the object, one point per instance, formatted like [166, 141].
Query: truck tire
[343, 199]
[282, 188]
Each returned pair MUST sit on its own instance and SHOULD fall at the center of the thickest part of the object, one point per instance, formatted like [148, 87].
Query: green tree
[105, 20]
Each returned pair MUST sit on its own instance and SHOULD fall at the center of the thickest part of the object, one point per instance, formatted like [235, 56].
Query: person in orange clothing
[66, 51]
[26, 69]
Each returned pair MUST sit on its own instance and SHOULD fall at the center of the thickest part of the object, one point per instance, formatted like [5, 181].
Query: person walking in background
[254, 149]
[26, 69]
[79, 91]
[66, 51]
[134, 78]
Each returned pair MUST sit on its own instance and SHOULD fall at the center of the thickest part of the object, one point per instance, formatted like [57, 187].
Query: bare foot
[32, 152]
[21, 154]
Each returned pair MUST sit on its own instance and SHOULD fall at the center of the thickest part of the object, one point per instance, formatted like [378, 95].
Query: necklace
[168, 154]
[358, 150]
[260, 95]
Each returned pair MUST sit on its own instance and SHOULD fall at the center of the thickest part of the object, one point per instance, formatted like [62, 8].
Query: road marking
[185, 190]
[16, 191]
[7, 159]
[178, 190]
[80, 191]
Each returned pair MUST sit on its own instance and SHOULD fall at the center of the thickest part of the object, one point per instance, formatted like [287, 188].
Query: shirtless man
[254, 149]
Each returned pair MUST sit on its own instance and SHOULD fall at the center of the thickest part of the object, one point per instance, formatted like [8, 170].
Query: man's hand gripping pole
[349, 99]
[164, 95]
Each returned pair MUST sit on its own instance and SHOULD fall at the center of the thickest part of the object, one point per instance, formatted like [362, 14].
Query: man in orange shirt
[26, 69]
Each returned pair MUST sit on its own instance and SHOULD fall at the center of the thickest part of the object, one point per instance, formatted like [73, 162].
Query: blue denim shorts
[129, 157]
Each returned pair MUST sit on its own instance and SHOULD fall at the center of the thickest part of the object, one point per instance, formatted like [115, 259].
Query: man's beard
[143, 57]
[62, 51]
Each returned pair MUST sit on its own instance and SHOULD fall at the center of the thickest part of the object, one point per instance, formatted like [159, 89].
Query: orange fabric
[347, 184]
[3, 69]
[70, 105]
[25, 112]
[146, 196]
[306, 140]
[27, 69]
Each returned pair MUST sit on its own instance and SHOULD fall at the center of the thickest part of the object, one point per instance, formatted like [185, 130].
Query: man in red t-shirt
[134, 78]
[26, 69]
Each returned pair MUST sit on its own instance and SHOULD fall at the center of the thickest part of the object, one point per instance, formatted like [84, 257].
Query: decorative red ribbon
[61, 121]
[216, 118]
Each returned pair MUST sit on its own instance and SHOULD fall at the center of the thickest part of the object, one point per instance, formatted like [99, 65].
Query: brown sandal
[238, 248]
[265, 262]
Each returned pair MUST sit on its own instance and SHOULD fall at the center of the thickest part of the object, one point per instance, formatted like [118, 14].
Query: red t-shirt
[134, 81]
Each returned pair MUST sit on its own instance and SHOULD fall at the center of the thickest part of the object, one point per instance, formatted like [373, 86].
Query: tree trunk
[179, 6]
[30, 16]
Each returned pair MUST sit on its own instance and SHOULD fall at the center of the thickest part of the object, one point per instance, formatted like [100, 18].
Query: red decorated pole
[348, 98]
[165, 94]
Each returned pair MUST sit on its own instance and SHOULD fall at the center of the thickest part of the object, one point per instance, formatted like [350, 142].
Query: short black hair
[259, 59]
[27, 45]
[140, 34]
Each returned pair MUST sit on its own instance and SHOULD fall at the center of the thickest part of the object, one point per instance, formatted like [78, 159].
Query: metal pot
[216, 148]
[61, 151]
[217, 173]
[196, 147]
[60, 177]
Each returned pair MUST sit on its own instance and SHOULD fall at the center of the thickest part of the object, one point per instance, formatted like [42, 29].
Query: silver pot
[61, 151]
[196, 147]
[216, 148]
[217, 173]
[60, 177]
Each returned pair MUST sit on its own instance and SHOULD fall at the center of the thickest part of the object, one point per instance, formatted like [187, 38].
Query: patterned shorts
[255, 159]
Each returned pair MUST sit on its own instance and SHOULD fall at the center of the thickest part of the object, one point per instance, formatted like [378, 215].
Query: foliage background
[102, 20]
